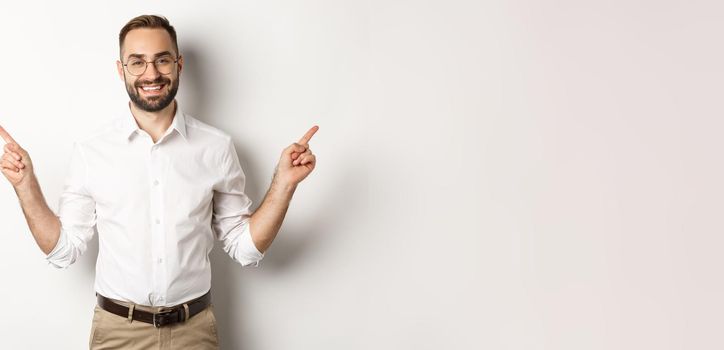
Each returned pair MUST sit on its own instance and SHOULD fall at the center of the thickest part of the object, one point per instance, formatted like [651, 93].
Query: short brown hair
[146, 21]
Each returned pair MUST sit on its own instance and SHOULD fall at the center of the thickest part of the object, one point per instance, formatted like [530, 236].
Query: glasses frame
[175, 61]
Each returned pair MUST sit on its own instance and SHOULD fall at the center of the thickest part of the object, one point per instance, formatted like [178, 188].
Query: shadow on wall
[292, 244]
[192, 80]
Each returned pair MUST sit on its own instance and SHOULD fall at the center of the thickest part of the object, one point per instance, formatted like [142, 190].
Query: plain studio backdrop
[491, 174]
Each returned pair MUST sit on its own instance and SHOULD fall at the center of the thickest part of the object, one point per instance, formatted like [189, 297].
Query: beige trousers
[110, 331]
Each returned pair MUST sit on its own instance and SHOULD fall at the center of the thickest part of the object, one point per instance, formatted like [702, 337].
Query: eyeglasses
[163, 64]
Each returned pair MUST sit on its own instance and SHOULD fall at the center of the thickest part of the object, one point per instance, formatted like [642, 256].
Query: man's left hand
[297, 161]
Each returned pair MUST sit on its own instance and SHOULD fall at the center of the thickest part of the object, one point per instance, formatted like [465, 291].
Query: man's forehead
[147, 42]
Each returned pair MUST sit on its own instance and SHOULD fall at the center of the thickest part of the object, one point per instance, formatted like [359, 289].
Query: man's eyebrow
[163, 53]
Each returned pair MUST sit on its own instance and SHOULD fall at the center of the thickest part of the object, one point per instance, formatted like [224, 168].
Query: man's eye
[136, 63]
[164, 60]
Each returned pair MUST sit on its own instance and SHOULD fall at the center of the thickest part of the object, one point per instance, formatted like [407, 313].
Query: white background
[491, 174]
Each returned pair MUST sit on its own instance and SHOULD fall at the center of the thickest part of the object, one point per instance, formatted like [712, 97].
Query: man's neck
[154, 123]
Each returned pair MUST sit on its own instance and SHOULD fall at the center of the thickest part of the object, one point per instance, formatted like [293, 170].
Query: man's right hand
[16, 164]
[18, 169]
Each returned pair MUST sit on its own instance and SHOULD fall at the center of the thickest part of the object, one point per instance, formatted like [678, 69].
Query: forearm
[295, 163]
[267, 219]
[43, 223]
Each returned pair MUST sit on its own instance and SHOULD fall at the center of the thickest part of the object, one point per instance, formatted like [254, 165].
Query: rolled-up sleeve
[76, 212]
[232, 211]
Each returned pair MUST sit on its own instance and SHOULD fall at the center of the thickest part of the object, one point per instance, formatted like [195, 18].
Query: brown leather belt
[177, 313]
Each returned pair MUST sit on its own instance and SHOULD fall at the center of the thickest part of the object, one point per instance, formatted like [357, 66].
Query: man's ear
[180, 63]
[119, 66]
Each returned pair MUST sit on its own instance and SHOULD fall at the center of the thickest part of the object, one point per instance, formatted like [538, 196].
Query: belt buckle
[161, 319]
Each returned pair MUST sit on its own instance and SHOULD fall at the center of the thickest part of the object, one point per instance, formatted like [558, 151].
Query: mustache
[160, 80]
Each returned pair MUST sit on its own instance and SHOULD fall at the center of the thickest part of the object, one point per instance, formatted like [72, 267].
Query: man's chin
[150, 104]
[154, 106]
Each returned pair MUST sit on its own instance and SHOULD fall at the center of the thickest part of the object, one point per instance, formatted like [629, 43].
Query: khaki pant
[110, 331]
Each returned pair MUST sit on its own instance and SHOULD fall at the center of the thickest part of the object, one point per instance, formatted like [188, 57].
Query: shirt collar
[129, 125]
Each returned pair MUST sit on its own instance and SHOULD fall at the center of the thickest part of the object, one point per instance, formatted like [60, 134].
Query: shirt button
[160, 260]
[155, 182]
[158, 221]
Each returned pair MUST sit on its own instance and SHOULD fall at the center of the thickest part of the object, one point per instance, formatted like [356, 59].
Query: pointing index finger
[4, 134]
[308, 135]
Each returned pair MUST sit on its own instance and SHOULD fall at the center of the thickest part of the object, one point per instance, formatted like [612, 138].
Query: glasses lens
[136, 66]
[164, 64]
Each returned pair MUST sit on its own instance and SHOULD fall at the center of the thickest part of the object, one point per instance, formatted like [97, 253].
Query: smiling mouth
[152, 89]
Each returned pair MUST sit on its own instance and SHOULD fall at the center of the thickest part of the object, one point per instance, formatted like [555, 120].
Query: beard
[153, 103]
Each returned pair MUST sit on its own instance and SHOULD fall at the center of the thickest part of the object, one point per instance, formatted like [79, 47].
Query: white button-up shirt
[157, 208]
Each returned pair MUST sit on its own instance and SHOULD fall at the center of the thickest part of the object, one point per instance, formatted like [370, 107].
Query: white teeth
[147, 88]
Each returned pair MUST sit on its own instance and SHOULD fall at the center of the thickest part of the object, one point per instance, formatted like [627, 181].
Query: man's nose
[151, 72]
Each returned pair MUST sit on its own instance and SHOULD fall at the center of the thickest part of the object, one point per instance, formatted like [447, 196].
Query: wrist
[280, 185]
[27, 185]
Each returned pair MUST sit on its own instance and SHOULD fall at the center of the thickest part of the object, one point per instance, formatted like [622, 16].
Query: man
[158, 186]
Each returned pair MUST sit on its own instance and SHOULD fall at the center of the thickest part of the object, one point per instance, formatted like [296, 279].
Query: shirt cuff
[58, 257]
[250, 252]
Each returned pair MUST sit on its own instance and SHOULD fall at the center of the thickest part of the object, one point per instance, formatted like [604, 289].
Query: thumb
[295, 147]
